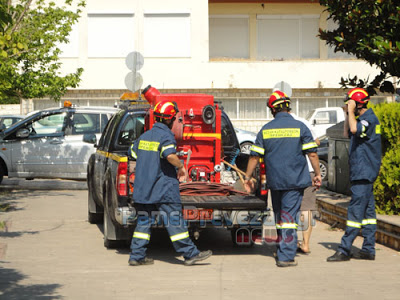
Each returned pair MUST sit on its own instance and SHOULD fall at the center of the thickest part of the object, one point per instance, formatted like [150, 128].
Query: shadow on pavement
[10, 288]
[335, 246]
[216, 239]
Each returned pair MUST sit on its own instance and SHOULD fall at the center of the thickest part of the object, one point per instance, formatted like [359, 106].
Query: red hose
[208, 189]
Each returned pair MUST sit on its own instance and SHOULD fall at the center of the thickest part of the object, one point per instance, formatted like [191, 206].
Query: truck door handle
[56, 142]
[335, 157]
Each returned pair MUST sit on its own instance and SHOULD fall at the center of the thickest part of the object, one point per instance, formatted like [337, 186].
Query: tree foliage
[30, 35]
[387, 185]
[370, 30]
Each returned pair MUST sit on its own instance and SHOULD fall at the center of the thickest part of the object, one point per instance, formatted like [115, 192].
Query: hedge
[387, 185]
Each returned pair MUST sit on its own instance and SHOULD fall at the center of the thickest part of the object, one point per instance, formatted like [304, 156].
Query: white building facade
[236, 50]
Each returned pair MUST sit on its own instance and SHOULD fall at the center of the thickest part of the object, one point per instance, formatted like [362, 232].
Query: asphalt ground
[48, 250]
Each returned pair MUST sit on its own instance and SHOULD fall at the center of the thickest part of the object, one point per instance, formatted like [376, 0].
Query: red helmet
[165, 110]
[278, 98]
[357, 94]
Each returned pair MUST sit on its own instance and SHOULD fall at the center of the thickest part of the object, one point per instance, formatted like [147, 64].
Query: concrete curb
[42, 184]
[333, 210]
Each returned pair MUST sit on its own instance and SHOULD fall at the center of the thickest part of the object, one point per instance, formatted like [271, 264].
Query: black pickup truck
[109, 193]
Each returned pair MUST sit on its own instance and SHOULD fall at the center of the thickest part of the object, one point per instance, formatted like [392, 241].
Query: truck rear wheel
[115, 235]
[94, 216]
[109, 230]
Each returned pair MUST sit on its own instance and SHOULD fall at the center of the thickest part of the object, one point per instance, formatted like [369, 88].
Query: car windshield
[310, 113]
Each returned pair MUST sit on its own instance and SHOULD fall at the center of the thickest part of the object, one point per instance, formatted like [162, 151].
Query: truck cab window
[131, 130]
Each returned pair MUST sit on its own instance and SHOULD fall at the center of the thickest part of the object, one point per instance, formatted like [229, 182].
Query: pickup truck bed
[224, 202]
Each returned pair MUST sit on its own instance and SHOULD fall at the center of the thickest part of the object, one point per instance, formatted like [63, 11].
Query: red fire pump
[197, 131]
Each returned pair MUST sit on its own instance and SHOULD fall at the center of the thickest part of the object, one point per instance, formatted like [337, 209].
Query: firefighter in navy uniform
[156, 188]
[364, 161]
[283, 143]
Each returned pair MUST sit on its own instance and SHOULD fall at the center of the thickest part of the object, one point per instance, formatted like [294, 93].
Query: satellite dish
[283, 87]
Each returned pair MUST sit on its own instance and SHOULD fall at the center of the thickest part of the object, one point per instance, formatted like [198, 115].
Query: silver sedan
[49, 143]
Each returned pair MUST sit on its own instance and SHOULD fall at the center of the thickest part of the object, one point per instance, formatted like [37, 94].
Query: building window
[331, 53]
[110, 34]
[229, 36]
[167, 34]
[281, 37]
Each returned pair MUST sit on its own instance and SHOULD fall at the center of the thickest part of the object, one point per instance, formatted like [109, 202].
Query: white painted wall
[196, 71]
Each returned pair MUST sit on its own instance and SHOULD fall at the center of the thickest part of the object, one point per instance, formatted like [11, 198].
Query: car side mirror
[22, 133]
[315, 122]
[90, 138]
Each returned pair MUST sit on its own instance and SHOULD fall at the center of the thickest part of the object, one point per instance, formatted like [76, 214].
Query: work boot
[201, 256]
[289, 263]
[364, 255]
[144, 261]
[338, 256]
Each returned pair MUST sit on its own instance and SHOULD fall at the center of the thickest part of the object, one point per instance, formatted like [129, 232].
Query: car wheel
[245, 147]
[323, 167]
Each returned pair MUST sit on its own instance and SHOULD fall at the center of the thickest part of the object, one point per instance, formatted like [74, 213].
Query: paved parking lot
[50, 251]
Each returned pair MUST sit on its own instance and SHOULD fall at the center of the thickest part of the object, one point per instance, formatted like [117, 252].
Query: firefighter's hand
[351, 106]
[182, 174]
[249, 185]
[317, 182]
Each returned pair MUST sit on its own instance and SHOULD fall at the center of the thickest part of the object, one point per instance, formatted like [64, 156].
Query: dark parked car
[323, 150]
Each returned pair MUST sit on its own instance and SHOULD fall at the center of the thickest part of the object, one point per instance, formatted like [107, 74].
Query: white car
[246, 139]
[49, 143]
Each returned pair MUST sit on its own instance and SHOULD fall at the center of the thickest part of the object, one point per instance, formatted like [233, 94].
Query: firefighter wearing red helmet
[156, 188]
[283, 143]
[364, 161]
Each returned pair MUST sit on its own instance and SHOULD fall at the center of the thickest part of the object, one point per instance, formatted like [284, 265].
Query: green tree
[370, 30]
[30, 35]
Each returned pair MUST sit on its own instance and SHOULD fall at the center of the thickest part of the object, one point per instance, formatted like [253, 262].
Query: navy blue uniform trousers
[360, 214]
[286, 205]
[170, 214]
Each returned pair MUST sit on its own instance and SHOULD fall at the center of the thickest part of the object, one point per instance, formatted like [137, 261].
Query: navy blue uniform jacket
[283, 143]
[155, 178]
[365, 148]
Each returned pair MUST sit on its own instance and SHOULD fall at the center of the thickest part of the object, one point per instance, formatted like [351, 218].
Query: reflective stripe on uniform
[257, 149]
[148, 146]
[363, 134]
[288, 226]
[166, 147]
[309, 146]
[378, 129]
[353, 224]
[141, 235]
[179, 236]
[369, 222]
[133, 153]
[278, 226]
[281, 133]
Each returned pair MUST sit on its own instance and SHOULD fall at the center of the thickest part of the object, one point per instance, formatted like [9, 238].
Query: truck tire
[115, 235]
[95, 216]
